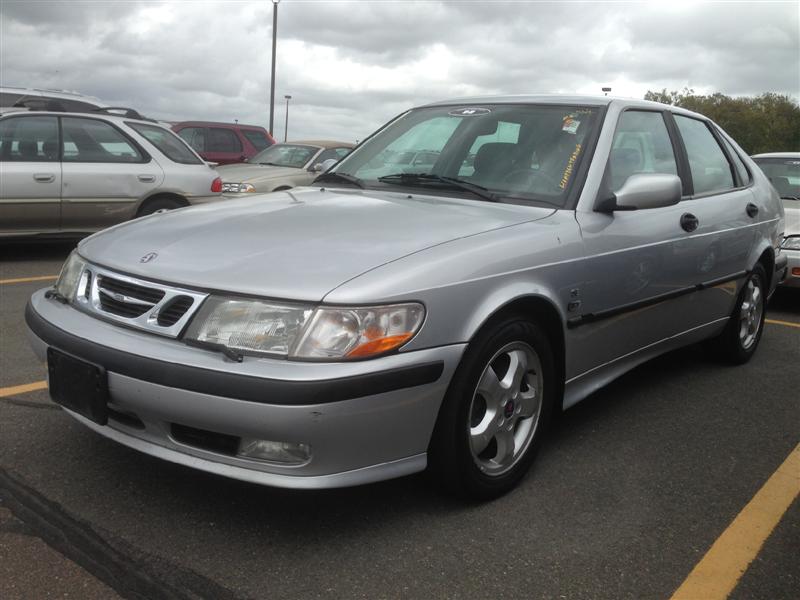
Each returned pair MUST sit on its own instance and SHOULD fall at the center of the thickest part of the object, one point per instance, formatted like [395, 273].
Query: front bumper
[365, 421]
[792, 269]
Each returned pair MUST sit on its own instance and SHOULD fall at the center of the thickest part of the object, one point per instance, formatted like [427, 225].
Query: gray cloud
[351, 66]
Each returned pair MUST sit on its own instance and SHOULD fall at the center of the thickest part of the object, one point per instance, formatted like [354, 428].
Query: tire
[157, 204]
[739, 341]
[495, 411]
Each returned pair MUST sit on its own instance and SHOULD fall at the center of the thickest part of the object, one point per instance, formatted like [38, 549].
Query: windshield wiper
[789, 198]
[341, 177]
[269, 164]
[424, 178]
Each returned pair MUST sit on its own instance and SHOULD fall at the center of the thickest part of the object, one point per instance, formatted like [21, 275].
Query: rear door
[727, 216]
[30, 175]
[105, 174]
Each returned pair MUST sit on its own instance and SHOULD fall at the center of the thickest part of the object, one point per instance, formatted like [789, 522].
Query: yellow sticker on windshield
[570, 166]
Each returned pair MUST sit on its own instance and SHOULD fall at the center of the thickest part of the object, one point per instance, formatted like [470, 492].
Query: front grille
[126, 299]
[155, 307]
[174, 310]
[212, 441]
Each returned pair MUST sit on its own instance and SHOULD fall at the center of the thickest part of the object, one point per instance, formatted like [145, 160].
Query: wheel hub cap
[505, 408]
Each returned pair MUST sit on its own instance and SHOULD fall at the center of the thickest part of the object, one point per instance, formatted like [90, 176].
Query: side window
[90, 140]
[641, 145]
[222, 140]
[257, 138]
[741, 170]
[342, 152]
[29, 139]
[195, 137]
[711, 171]
[506, 133]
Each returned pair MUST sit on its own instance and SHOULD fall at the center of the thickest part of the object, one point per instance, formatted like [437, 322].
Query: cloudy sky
[351, 66]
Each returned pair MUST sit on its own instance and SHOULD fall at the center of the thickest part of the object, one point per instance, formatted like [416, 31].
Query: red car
[224, 143]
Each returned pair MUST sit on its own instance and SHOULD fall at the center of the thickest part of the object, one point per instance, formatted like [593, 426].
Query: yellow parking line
[22, 389]
[715, 576]
[28, 279]
[786, 323]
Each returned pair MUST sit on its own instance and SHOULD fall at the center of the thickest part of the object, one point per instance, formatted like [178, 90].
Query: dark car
[224, 143]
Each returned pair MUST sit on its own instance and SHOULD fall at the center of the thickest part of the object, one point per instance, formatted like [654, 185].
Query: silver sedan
[389, 320]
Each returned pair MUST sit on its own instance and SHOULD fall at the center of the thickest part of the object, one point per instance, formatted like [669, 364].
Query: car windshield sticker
[570, 166]
[469, 112]
[570, 124]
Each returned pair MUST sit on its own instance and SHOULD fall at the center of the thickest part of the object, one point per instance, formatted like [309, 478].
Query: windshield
[528, 152]
[783, 173]
[285, 155]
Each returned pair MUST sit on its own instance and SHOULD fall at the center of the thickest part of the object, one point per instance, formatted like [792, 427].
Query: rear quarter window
[169, 144]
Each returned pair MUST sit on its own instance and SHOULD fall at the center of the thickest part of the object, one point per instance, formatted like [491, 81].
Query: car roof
[322, 143]
[218, 124]
[62, 94]
[777, 155]
[92, 115]
[570, 99]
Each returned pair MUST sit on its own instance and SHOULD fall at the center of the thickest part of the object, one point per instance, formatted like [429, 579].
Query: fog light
[289, 453]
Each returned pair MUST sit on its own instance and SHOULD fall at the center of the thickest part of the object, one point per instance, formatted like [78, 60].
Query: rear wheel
[495, 411]
[739, 340]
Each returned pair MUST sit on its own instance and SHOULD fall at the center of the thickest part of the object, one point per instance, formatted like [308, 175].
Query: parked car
[224, 143]
[44, 99]
[783, 171]
[74, 173]
[281, 167]
[369, 327]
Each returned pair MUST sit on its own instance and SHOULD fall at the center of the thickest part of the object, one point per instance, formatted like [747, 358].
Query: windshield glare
[286, 155]
[525, 151]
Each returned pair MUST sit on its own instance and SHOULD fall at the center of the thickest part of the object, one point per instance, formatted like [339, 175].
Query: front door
[30, 175]
[105, 174]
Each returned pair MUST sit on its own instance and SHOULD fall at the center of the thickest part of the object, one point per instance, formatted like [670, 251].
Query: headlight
[70, 276]
[297, 331]
[791, 243]
[237, 188]
[255, 326]
[345, 333]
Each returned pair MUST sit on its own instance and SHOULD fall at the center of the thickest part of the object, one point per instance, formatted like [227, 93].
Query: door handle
[752, 210]
[44, 177]
[147, 178]
[689, 222]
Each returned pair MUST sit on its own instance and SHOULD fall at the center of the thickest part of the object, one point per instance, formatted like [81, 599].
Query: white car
[281, 167]
[783, 171]
[74, 173]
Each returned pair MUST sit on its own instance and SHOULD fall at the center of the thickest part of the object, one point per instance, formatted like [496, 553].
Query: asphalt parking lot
[633, 488]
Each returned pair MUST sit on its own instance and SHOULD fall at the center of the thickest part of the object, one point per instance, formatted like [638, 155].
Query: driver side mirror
[323, 166]
[643, 191]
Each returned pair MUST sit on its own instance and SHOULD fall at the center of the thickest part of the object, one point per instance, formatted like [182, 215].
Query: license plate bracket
[78, 385]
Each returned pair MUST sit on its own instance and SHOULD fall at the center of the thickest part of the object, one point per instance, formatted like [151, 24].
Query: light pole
[286, 126]
[606, 90]
[274, 47]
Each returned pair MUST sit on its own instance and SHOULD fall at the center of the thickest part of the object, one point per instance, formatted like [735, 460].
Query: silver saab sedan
[384, 321]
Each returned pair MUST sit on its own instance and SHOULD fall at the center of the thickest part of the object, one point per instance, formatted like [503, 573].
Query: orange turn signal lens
[379, 346]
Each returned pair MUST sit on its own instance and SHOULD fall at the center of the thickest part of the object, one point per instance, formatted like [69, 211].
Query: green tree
[766, 123]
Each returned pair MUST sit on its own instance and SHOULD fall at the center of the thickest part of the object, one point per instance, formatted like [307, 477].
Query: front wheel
[495, 411]
[739, 340]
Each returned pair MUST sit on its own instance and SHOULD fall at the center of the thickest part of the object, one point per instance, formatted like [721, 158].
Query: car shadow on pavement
[35, 250]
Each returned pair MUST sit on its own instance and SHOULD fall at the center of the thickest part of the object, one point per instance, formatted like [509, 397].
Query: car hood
[297, 245]
[247, 173]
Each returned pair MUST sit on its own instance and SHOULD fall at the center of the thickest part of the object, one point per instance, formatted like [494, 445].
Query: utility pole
[286, 126]
[272, 82]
